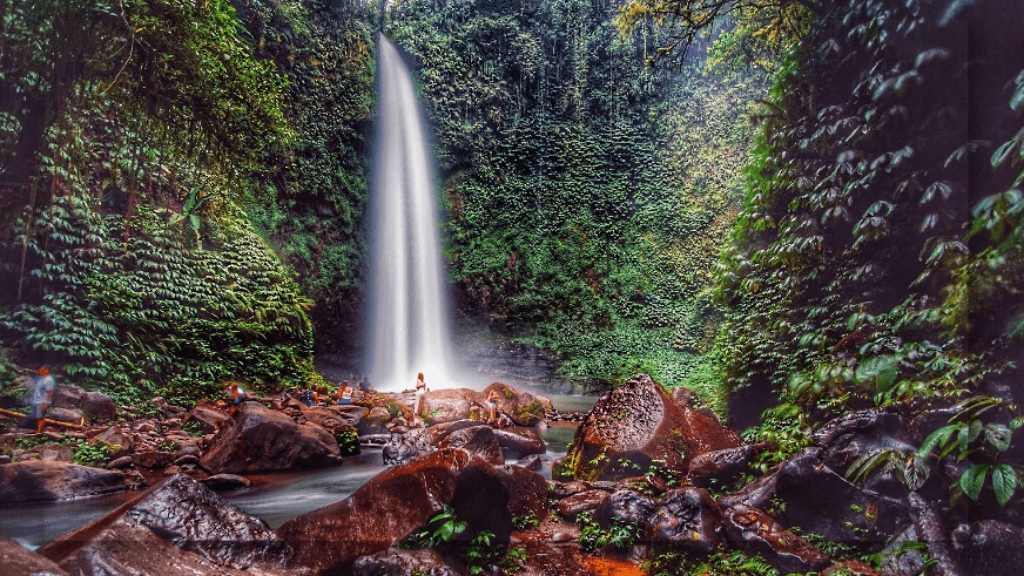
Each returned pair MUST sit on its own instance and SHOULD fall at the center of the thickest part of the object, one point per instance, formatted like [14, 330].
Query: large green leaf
[1004, 482]
[881, 369]
[973, 479]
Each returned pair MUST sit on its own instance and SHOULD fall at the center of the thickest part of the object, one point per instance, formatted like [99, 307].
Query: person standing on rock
[492, 404]
[344, 393]
[421, 389]
[41, 397]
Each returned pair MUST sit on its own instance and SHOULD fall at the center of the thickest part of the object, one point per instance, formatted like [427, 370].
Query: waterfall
[407, 327]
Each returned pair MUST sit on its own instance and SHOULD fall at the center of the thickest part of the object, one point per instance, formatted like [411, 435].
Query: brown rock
[518, 443]
[152, 459]
[98, 407]
[333, 417]
[40, 480]
[638, 424]
[65, 415]
[209, 416]
[523, 408]
[392, 562]
[258, 439]
[570, 506]
[479, 440]
[689, 519]
[755, 532]
[17, 560]
[396, 502]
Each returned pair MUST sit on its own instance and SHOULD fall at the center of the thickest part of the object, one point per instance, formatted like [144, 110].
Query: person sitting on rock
[309, 397]
[492, 404]
[344, 393]
[40, 400]
[234, 394]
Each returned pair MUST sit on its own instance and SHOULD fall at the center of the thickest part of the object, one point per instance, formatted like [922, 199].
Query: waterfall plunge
[408, 317]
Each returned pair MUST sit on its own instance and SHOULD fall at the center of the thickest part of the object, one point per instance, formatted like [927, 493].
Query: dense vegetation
[586, 194]
[130, 148]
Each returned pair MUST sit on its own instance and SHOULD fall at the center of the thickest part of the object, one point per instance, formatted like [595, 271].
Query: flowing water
[408, 325]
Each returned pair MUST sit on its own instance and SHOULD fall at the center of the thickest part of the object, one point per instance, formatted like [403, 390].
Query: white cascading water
[408, 317]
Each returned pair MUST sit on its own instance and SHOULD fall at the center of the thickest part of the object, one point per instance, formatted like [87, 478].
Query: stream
[276, 498]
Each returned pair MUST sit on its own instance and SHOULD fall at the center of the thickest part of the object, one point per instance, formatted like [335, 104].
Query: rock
[168, 410]
[98, 407]
[209, 416]
[258, 439]
[687, 519]
[186, 460]
[722, 465]
[333, 417]
[650, 485]
[683, 396]
[392, 562]
[152, 459]
[189, 447]
[932, 530]
[120, 463]
[845, 439]
[755, 532]
[176, 529]
[527, 492]
[449, 405]
[69, 397]
[519, 443]
[821, 502]
[849, 568]
[533, 462]
[561, 490]
[39, 480]
[226, 482]
[479, 440]
[116, 436]
[900, 561]
[570, 506]
[626, 506]
[990, 548]
[398, 501]
[20, 561]
[64, 415]
[635, 425]
[406, 446]
[755, 494]
[375, 422]
[523, 408]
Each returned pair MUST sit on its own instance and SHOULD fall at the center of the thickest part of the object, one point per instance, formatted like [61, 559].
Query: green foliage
[94, 453]
[348, 440]
[620, 535]
[728, 563]
[587, 195]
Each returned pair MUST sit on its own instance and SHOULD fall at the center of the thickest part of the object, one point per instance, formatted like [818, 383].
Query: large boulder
[756, 533]
[98, 407]
[479, 440]
[687, 519]
[523, 408]
[177, 529]
[626, 506]
[398, 501]
[822, 502]
[637, 425]
[990, 548]
[258, 439]
[450, 404]
[50, 480]
[516, 444]
[847, 438]
[209, 416]
[333, 417]
[17, 560]
[405, 446]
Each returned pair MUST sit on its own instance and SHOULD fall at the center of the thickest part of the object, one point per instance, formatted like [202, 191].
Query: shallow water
[276, 498]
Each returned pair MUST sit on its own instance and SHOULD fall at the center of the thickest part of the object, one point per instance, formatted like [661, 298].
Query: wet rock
[405, 446]
[626, 506]
[449, 405]
[17, 560]
[561, 490]
[570, 506]
[755, 494]
[258, 439]
[479, 440]
[226, 482]
[375, 422]
[755, 532]
[334, 417]
[65, 396]
[990, 548]
[152, 459]
[527, 492]
[650, 485]
[845, 439]
[168, 410]
[180, 528]
[636, 425]
[849, 568]
[523, 408]
[392, 562]
[398, 501]
[899, 559]
[116, 436]
[519, 443]
[931, 529]
[821, 502]
[533, 462]
[687, 519]
[723, 465]
[39, 480]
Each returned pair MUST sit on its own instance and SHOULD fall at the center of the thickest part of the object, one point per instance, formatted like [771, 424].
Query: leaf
[882, 369]
[998, 436]
[952, 9]
[973, 479]
[1004, 482]
[937, 438]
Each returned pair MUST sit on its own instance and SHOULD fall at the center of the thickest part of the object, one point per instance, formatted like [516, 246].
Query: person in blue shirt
[40, 399]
